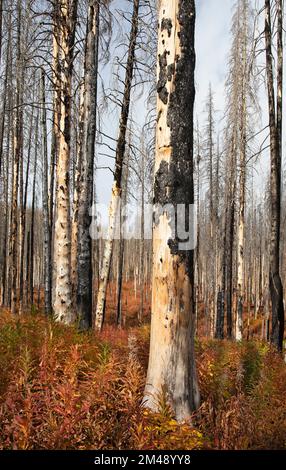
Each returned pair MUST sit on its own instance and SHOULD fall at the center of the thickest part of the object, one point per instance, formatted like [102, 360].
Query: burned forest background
[89, 94]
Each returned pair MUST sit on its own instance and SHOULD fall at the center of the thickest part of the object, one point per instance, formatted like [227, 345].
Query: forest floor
[61, 389]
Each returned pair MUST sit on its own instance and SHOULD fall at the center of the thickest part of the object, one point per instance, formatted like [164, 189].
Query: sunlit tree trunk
[45, 198]
[56, 77]
[171, 369]
[76, 191]
[62, 299]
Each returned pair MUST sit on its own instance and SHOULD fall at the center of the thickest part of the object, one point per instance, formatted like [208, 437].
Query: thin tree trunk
[32, 230]
[76, 193]
[122, 246]
[24, 209]
[17, 153]
[142, 241]
[5, 90]
[84, 247]
[56, 69]
[45, 197]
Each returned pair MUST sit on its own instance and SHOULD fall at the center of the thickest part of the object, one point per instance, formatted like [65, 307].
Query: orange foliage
[61, 389]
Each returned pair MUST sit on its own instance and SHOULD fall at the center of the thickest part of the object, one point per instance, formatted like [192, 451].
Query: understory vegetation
[61, 389]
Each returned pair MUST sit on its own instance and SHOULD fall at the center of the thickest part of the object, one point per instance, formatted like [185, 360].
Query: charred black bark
[275, 125]
[174, 316]
[174, 182]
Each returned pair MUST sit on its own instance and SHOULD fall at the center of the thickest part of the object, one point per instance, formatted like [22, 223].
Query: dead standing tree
[171, 367]
[275, 125]
[86, 181]
[65, 35]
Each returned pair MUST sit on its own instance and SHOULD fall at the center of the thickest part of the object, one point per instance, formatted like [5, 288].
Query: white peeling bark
[62, 302]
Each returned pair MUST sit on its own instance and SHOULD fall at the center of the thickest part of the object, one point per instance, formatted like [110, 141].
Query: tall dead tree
[142, 234]
[119, 159]
[56, 85]
[241, 102]
[17, 156]
[171, 367]
[275, 125]
[33, 210]
[86, 181]
[45, 200]
[210, 157]
[242, 41]
[65, 34]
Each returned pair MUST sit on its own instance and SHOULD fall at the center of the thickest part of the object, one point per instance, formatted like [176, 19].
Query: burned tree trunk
[275, 125]
[171, 367]
[84, 249]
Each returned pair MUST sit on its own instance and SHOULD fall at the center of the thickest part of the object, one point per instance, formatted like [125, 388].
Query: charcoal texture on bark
[171, 363]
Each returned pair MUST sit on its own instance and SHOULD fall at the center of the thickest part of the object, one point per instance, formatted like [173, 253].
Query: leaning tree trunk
[275, 124]
[62, 301]
[86, 182]
[117, 184]
[171, 369]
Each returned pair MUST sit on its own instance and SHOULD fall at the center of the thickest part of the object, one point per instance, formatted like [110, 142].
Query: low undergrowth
[61, 389]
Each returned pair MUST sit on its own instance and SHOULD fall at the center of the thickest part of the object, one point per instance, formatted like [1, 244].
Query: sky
[212, 47]
[213, 42]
